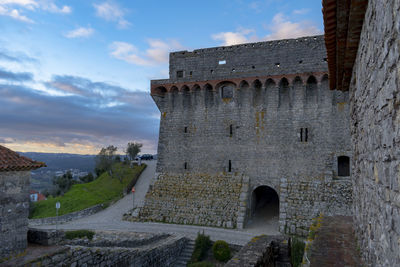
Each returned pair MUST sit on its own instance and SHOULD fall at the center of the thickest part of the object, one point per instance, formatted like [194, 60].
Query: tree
[105, 159]
[63, 183]
[133, 149]
[87, 178]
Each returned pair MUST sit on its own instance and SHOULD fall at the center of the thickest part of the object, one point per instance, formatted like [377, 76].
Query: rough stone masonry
[238, 119]
[14, 201]
[375, 130]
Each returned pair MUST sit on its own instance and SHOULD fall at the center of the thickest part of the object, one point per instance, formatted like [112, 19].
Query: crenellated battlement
[272, 58]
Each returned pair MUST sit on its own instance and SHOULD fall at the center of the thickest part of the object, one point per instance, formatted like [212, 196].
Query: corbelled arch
[258, 97]
[196, 88]
[208, 95]
[256, 84]
[284, 93]
[297, 80]
[185, 88]
[208, 86]
[174, 89]
[243, 84]
[311, 90]
[270, 83]
[226, 89]
[160, 91]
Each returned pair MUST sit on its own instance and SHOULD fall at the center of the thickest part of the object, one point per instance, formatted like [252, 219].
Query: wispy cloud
[15, 76]
[283, 28]
[231, 38]
[14, 56]
[301, 11]
[280, 28]
[14, 8]
[14, 13]
[156, 53]
[29, 4]
[50, 6]
[111, 11]
[80, 32]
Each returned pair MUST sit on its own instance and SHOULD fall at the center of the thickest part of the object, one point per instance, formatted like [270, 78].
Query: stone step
[281, 251]
[283, 264]
[185, 255]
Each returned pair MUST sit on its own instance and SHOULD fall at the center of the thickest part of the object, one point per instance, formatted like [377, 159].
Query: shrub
[201, 247]
[79, 234]
[221, 251]
[201, 264]
[297, 251]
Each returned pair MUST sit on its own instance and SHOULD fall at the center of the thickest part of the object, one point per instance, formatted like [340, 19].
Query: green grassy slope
[105, 189]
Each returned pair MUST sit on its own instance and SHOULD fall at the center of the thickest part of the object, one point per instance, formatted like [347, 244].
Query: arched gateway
[264, 208]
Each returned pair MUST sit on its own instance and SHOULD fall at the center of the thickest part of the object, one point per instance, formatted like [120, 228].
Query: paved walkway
[335, 243]
[111, 219]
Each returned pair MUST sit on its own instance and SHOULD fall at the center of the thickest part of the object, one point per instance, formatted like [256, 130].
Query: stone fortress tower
[247, 127]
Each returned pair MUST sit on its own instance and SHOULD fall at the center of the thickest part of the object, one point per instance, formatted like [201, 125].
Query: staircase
[282, 254]
[186, 255]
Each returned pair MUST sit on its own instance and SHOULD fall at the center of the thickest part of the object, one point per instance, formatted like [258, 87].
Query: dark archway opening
[343, 166]
[264, 209]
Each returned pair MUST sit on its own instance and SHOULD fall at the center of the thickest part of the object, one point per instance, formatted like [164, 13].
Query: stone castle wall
[256, 125]
[375, 129]
[14, 211]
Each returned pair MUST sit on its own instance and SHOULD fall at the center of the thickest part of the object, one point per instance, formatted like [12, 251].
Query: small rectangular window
[179, 74]
[191, 73]
[185, 165]
[230, 166]
[230, 130]
[185, 129]
[303, 134]
[222, 62]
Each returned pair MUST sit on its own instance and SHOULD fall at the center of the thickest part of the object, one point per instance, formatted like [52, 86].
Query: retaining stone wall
[67, 217]
[107, 251]
[14, 210]
[375, 129]
[303, 200]
[212, 200]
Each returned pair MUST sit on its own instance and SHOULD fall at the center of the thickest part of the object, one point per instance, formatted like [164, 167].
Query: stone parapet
[67, 217]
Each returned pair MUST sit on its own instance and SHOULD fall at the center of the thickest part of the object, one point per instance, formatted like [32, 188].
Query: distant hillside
[63, 161]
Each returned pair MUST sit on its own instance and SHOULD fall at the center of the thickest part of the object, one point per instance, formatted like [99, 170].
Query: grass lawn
[105, 189]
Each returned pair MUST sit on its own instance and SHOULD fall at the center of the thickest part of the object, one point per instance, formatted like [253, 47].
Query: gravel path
[111, 219]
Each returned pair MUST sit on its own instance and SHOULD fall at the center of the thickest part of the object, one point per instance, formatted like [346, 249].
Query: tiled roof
[343, 20]
[12, 161]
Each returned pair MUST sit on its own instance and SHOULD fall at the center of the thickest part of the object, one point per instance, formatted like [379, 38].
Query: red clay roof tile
[12, 161]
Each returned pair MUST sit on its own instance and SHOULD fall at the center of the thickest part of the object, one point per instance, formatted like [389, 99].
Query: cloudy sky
[75, 75]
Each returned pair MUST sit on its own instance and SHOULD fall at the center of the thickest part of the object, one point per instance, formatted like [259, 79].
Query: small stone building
[14, 201]
[247, 129]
